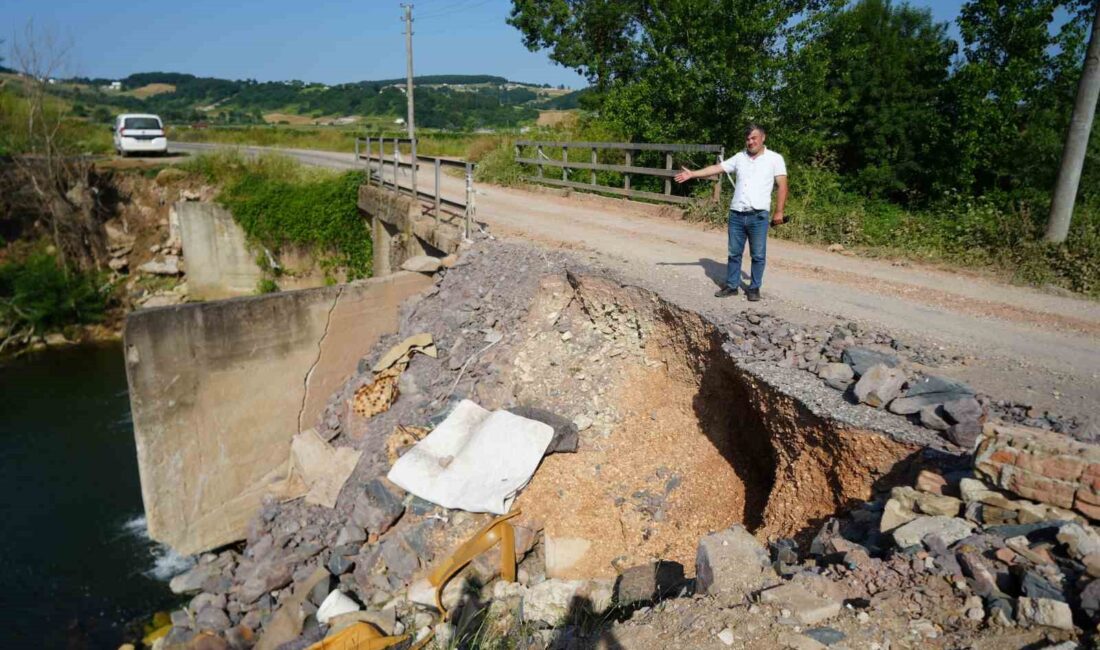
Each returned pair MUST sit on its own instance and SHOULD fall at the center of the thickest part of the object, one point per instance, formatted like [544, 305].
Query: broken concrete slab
[806, 607]
[219, 389]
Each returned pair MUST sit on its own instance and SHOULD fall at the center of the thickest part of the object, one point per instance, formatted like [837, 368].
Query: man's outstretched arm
[705, 172]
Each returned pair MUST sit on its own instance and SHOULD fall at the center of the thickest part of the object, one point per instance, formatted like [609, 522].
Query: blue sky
[316, 40]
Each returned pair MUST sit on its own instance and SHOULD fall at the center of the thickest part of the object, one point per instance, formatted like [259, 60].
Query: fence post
[718, 185]
[356, 151]
[593, 162]
[565, 161]
[668, 180]
[538, 157]
[629, 163]
[437, 190]
[469, 196]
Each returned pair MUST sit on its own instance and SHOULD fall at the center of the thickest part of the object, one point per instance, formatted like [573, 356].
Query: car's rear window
[141, 123]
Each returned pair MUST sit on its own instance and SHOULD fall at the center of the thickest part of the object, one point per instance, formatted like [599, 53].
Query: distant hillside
[457, 102]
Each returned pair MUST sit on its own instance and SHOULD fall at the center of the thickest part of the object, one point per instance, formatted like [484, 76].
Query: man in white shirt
[758, 171]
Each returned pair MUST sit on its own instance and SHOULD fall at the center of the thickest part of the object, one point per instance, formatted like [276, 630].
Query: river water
[76, 568]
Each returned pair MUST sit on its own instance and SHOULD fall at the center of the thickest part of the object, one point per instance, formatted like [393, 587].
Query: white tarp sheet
[475, 460]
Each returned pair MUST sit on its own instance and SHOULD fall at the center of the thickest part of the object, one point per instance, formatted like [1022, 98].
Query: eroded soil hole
[677, 440]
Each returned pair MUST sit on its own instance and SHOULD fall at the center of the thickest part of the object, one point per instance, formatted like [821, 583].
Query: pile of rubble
[960, 555]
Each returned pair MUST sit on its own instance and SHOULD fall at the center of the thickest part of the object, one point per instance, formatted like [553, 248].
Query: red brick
[1092, 471]
[1003, 456]
[1087, 509]
[931, 482]
[1088, 496]
[1063, 468]
[1039, 488]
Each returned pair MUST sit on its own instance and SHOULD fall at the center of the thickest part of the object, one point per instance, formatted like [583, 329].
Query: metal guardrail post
[437, 191]
[469, 197]
[396, 165]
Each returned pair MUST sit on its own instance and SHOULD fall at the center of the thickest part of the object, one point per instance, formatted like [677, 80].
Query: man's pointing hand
[685, 175]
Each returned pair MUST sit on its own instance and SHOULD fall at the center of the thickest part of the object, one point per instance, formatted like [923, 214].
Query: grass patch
[279, 203]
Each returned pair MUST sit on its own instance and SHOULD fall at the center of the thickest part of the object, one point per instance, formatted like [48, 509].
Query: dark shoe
[725, 292]
[752, 294]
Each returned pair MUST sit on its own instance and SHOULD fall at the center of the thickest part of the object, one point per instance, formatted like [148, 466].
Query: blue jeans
[753, 226]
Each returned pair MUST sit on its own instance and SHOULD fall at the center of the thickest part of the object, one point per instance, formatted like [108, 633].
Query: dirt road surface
[1014, 343]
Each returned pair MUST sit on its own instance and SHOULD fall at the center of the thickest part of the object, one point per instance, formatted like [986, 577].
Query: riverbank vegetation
[279, 203]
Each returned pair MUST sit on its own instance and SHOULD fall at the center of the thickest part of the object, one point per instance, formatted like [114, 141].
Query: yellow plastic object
[497, 530]
[358, 636]
[158, 633]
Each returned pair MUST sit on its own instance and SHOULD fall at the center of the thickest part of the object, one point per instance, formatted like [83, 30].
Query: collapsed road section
[754, 464]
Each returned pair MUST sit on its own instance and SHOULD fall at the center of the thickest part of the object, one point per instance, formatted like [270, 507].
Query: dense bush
[38, 293]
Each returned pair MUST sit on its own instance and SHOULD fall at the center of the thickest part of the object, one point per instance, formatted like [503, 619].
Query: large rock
[1044, 612]
[169, 265]
[926, 503]
[1042, 466]
[648, 582]
[837, 375]
[929, 390]
[964, 409]
[730, 564]
[949, 529]
[422, 264]
[879, 385]
[862, 359]
[378, 506]
[556, 602]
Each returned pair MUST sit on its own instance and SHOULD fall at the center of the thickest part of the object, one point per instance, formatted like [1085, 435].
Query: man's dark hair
[754, 127]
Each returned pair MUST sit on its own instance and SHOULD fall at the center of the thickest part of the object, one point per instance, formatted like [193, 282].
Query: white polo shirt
[755, 179]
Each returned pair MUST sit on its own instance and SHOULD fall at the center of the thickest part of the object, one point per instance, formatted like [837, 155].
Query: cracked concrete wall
[215, 249]
[218, 389]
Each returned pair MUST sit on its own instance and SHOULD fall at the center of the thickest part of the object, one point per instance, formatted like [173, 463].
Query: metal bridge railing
[541, 160]
[373, 150]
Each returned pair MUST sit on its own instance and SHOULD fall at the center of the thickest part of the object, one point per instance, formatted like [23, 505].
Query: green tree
[865, 87]
[674, 70]
[1010, 99]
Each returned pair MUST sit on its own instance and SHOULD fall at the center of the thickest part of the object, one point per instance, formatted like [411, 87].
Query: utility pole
[1077, 139]
[410, 120]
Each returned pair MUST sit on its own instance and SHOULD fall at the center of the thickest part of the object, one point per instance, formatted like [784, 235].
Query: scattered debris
[318, 470]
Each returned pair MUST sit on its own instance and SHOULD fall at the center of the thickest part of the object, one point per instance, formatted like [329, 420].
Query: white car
[139, 133]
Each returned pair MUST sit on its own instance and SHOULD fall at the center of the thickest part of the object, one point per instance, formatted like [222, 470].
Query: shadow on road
[714, 269]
